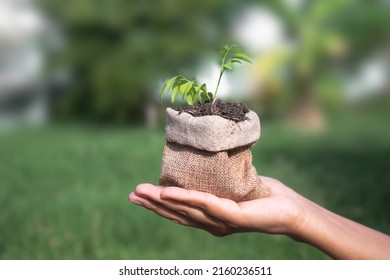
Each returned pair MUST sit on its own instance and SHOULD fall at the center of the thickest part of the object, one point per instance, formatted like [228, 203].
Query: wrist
[303, 220]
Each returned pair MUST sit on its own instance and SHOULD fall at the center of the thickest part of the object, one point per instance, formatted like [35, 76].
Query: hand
[284, 212]
[279, 213]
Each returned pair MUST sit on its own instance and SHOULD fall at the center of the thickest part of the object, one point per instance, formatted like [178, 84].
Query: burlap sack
[226, 173]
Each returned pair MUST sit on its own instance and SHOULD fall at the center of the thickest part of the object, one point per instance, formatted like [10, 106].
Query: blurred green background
[81, 124]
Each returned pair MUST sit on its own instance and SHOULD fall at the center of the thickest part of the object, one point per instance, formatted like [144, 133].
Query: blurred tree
[118, 50]
[327, 36]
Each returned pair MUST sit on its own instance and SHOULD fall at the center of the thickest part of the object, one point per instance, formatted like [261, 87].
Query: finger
[219, 208]
[147, 190]
[215, 229]
[202, 200]
[153, 193]
[194, 213]
[164, 212]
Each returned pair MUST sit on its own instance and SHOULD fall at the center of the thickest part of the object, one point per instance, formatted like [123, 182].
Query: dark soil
[231, 111]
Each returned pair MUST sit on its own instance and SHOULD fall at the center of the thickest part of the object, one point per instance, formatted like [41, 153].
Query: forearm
[341, 238]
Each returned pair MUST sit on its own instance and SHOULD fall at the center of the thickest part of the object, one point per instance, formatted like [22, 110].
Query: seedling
[191, 91]
[206, 145]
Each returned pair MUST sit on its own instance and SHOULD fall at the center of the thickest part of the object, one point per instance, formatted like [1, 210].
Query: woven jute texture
[226, 174]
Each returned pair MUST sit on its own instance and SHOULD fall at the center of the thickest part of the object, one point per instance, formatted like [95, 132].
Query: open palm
[278, 213]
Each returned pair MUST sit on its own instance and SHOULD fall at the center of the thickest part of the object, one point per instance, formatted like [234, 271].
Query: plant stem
[220, 74]
[219, 80]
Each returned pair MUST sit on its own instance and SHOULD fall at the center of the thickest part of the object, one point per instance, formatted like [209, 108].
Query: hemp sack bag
[211, 154]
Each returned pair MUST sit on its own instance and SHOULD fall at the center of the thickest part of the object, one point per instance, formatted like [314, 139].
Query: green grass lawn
[64, 188]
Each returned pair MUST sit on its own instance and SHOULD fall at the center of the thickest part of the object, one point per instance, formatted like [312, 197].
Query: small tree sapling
[193, 92]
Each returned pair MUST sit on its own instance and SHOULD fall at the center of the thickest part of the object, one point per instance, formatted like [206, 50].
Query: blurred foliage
[330, 39]
[118, 50]
[339, 31]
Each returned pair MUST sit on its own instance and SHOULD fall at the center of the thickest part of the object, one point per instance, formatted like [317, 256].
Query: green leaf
[237, 49]
[167, 86]
[236, 61]
[242, 56]
[190, 99]
[206, 96]
[228, 65]
[161, 92]
[194, 95]
[175, 91]
[170, 83]
[184, 88]
[204, 87]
